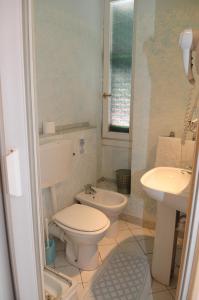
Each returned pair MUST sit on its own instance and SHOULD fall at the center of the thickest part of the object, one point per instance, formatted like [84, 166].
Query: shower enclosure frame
[20, 131]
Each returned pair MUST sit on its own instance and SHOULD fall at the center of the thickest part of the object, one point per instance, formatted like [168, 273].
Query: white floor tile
[85, 285]
[107, 241]
[157, 286]
[80, 290]
[106, 250]
[125, 235]
[131, 238]
[100, 259]
[147, 245]
[71, 271]
[141, 233]
[122, 225]
[132, 226]
[87, 276]
[165, 295]
[173, 292]
[88, 297]
[60, 260]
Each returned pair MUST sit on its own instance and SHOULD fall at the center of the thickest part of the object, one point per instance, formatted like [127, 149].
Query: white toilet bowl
[85, 227]
[110, 203]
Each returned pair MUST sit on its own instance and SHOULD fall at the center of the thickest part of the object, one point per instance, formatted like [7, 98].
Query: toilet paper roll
[48, 127]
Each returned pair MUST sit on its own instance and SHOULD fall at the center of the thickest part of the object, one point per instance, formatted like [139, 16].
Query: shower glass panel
[121, 22]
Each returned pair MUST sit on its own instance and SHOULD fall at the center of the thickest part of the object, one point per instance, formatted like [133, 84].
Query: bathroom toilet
[84, 227]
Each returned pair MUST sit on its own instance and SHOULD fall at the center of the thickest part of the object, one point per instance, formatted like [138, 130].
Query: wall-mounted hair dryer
[189, 42]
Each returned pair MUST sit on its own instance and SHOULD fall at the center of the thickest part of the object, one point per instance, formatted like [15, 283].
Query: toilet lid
[81, 217]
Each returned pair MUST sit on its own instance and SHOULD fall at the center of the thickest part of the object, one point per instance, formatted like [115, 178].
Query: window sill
[116, 143]
[114, 135]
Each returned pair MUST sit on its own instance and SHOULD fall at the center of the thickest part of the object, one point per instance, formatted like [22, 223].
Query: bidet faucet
[88, 188]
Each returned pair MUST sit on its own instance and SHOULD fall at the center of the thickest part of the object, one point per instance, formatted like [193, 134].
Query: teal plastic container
[50, 252]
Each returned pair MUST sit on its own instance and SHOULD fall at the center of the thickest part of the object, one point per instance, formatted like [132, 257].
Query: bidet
[110, 203]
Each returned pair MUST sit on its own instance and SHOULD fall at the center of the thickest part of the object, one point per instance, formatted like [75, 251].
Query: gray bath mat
[124, 277]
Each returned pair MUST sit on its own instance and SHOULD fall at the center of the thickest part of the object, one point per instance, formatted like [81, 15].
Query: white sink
[169, 185]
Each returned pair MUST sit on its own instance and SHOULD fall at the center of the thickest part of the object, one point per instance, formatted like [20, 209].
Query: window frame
[106, 133]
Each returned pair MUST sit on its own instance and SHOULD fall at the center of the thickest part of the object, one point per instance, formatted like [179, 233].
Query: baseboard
[138, 221]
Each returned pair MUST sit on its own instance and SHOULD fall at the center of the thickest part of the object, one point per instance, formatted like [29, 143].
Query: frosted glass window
[120, 64]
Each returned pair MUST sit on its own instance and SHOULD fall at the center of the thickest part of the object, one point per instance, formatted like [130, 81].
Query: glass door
[6, 286]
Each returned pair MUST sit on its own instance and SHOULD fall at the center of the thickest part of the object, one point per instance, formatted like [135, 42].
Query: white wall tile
[68, 40]
[188, 154]
[171, 152]
[114, 158]
[160, 86]
[168, 152]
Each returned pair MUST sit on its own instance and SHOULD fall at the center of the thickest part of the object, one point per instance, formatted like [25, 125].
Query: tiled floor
[131, 238]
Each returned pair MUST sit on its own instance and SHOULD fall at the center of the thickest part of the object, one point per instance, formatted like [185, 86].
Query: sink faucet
[89, 189]
[188, 170]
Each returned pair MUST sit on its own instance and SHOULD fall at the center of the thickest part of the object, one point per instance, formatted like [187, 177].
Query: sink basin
[170, 187]
[167, 184]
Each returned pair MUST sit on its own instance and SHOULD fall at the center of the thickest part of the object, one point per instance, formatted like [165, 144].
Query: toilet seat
[81, 218]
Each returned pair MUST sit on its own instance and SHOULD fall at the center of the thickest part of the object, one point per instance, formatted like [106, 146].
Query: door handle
[105, 95]
[14, 173]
